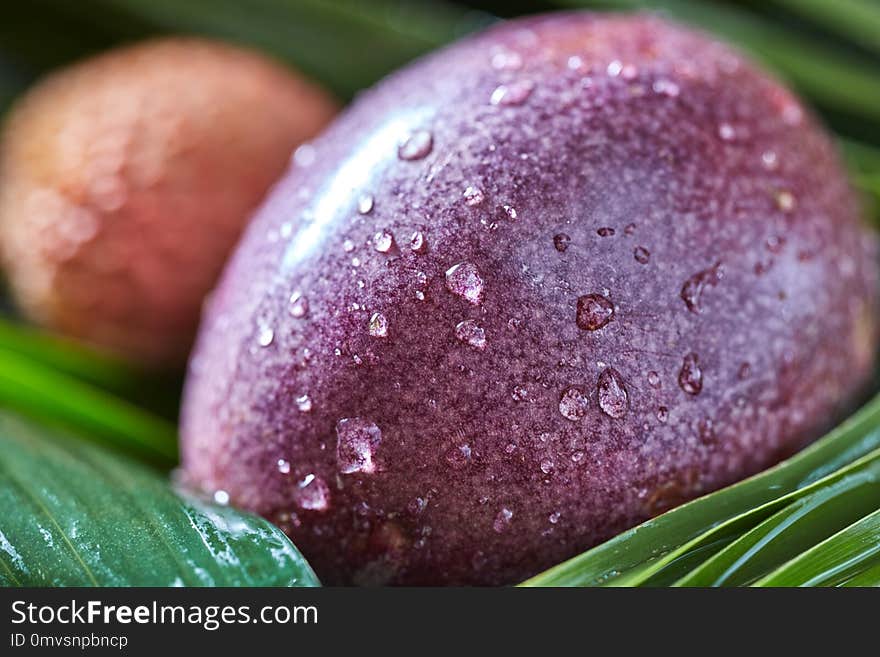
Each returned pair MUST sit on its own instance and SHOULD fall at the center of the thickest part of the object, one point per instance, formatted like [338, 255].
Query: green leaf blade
[850, 557]
[85, 517]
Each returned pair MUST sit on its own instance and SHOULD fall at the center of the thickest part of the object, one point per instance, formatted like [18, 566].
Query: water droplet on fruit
[304, 156]
[459, 456]
[578, 457]
[471, 333]
[365, 204]
[690, 378]
[283, 466]
[465, 281]
[642, 255]
[666, 88]
[348, 246]
[418, 243]
[515, 93]
[593, 312]
[356, 442]
[520, 393]
[299, 305]
[547, 466]
[304, 403]
[727, 132]
[416, 146]
[770, 160]
[785, 200]
[417, 505]
[502, 520]
[613, 398]
[706, 431]
[774, 244]
[573, 405]
[554, 517]
[378, 325]
[506, 60]
[265, 336]
[473, 196]
[614, 68]
[312, 494]
[605, 231]
[692, 290]
[383, 241]
[221, 497]
[510, 211]
[561, 242]
[653, 379]
[662, 414]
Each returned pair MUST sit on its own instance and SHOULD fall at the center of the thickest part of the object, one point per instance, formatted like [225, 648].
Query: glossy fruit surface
[526, 293]
[125, 181]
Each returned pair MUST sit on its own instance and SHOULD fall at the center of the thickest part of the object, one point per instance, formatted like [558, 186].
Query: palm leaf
[849, 557]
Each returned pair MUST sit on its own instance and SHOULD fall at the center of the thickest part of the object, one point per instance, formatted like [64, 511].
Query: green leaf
[854, 20]
[833, 78]
[76, 515]
[850, 557]
[65, 355]
[809, 519]
[57, 399]
[346, 44]
[712, 521]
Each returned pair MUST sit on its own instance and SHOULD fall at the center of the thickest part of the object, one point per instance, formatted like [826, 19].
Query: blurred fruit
[125, 181]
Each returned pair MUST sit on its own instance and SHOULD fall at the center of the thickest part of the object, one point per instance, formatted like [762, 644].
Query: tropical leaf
[347, 44]
[58, 399]
[77, 515]
[849, 557]
[831, 77]
[831, 504]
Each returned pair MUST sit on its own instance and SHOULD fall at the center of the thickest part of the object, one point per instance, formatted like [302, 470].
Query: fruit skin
[125, 181]
[743, 289]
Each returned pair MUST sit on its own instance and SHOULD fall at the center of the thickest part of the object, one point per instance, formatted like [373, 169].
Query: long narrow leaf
[854, 20]
[797, 527]
[55, 398]
[832, 78]
[851, 557]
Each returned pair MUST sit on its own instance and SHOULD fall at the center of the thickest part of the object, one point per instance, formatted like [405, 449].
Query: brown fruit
[125, 181]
